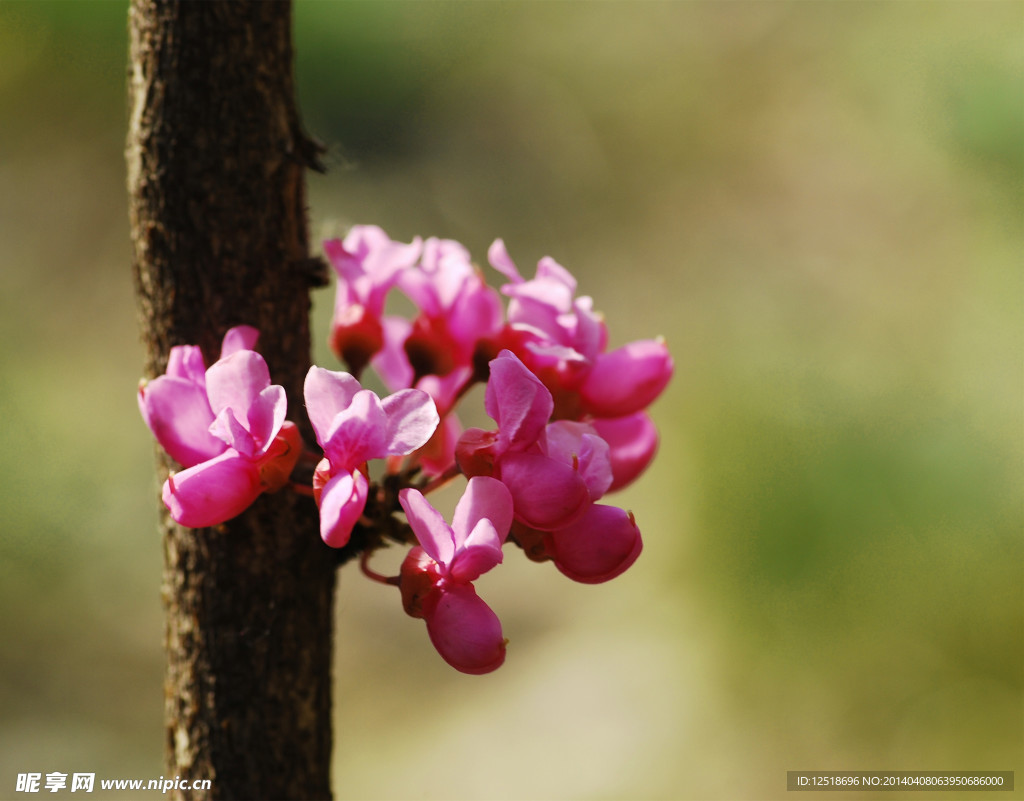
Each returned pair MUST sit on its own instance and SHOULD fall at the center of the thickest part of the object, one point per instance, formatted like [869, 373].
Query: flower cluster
[570, 426]
[225, 425]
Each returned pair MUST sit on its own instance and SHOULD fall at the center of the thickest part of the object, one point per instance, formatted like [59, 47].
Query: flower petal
[627, 379]
[546, 494]
[550, 270]
[327, 393]
[227, 428]
[552, 289]
[211, 492]
[236, 382]
[445, 269]
[590, 336]
[465, 631]
[535, 316]
[411, 420]
[186, 361]
[342, 502]
[358, 432]
[241, 337]
[497, 255]
[368, 261]
[483, 498]
[475, 314]
[597, 547]
[433, 533]
[570, 442]
[632, 442]
[179, 415]
[391, 362]
[479, 553]
[517, 400]
[266, 415]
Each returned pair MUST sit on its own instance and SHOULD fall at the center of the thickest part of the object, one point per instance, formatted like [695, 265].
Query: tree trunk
[216, 159]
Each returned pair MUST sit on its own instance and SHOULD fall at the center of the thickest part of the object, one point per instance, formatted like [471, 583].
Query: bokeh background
[819, 206]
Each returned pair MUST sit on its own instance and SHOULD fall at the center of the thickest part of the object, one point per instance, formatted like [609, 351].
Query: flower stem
[441, 480]
[369, 572]
[301, 489]
[311, 456]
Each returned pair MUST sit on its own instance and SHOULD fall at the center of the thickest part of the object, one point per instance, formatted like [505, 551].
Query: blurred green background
[819, 206]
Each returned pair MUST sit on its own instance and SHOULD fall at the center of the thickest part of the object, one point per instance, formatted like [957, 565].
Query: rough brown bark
[216, 161]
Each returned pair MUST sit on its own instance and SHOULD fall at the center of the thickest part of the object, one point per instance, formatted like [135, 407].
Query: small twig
[369, 572]
[437, 482]
[301, 489]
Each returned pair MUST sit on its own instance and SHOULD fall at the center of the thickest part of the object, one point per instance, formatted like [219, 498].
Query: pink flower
[556, 480]
[597, 547]
[556, 472]
[553, 471]
[225, 425]
[175, 405]
[562, 340]
[442, 350]
[555, 333]
[392, 365]
[368, 264]
[457, 309]
[353, 425]
[436, 577]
